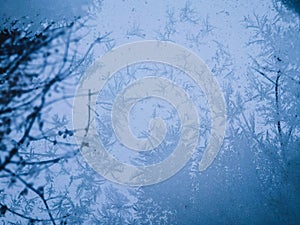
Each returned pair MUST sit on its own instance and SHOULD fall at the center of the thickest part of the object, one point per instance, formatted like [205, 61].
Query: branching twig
[277, 109]
[40, 193]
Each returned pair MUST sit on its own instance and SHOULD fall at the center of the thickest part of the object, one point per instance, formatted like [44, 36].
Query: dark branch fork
[39, 44]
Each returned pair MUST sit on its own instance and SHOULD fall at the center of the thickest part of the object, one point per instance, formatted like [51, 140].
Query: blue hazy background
[237, 40]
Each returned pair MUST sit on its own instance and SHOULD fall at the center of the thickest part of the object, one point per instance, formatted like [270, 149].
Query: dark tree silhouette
[275, 82]
[35, 71]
